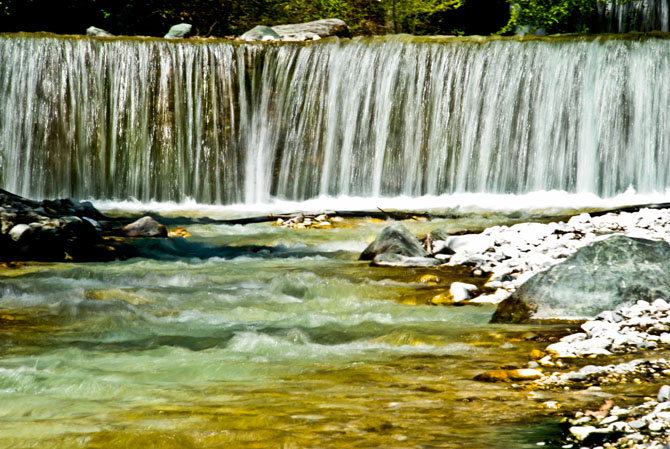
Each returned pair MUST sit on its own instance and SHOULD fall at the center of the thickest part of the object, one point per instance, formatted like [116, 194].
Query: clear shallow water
[260, 337]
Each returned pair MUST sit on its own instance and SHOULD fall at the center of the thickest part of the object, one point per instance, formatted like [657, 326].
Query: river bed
[262, 336]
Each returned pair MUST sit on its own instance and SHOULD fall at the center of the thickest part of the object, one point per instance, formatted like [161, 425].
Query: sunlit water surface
[260, 337]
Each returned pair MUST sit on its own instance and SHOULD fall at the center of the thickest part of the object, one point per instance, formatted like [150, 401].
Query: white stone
[655, 426]
[17, 231]
[470, 243]
[499, 296]
[581, 432]
[461, 291]
[664, 393]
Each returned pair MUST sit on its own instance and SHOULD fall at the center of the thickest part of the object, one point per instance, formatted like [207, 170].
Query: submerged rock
[514, 375]
[607, 274]
[144, 227]
[398, 260]
[394, 239]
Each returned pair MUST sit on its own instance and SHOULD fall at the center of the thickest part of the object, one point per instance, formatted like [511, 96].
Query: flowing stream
[260, 337]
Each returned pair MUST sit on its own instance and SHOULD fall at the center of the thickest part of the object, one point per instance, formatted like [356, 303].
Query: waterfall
[634, 15]
[227, 123]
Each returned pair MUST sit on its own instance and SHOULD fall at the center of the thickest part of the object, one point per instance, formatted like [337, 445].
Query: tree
[407, 15]
[554, 16]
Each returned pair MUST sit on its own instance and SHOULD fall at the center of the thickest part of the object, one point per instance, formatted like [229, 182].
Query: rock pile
[302, 221]
[513, 254]
[642, 326]
[643, 426]
[61, 230]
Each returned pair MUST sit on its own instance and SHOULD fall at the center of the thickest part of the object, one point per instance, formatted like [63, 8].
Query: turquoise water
[261, 337]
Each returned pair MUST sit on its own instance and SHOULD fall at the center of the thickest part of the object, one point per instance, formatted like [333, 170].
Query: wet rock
[179, 31]
[49, 230]
[260, 33]
[604, 275]
[394, 239]
[515, 375]
[460, 291]
[179, 232]
[398, 260]
[429, 279]
[582, 432]
[664, 394]
[144, 227]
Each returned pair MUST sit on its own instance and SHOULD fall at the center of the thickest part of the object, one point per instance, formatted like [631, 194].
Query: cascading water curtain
[231, 123]
[633, 15]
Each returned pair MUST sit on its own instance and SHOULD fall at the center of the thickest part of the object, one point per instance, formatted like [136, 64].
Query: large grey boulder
[179, 31]
[260, 33]
[307, 31]
[394, 239]
[98, 32]
[607, 274]
[315, 30]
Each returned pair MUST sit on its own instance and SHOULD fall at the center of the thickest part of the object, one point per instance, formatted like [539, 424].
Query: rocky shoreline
[66, 230]
[639, 324]
[639, 329]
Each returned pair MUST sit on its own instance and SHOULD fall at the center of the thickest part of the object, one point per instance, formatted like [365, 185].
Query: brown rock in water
[179, 232]
[144, 227]
[512, 375]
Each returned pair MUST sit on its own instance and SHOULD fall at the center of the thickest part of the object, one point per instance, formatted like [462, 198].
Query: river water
[260, 336]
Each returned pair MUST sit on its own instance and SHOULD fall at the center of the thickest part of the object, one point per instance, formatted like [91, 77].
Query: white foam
[546, 201]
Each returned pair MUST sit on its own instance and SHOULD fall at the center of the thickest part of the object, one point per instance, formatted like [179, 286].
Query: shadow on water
[178, 248]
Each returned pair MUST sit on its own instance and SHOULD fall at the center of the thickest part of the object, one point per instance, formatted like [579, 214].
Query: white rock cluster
[512, 254]
[301, 221]
[641, 326]
[609, 374]
[643, 426]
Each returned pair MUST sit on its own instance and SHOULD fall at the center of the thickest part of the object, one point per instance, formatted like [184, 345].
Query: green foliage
[218, 17]
[408, 15]
[554, 16]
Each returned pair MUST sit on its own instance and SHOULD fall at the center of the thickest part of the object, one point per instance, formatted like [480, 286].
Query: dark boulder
[394, 239]
[607, 274]
[57, 230]
[144, 227]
